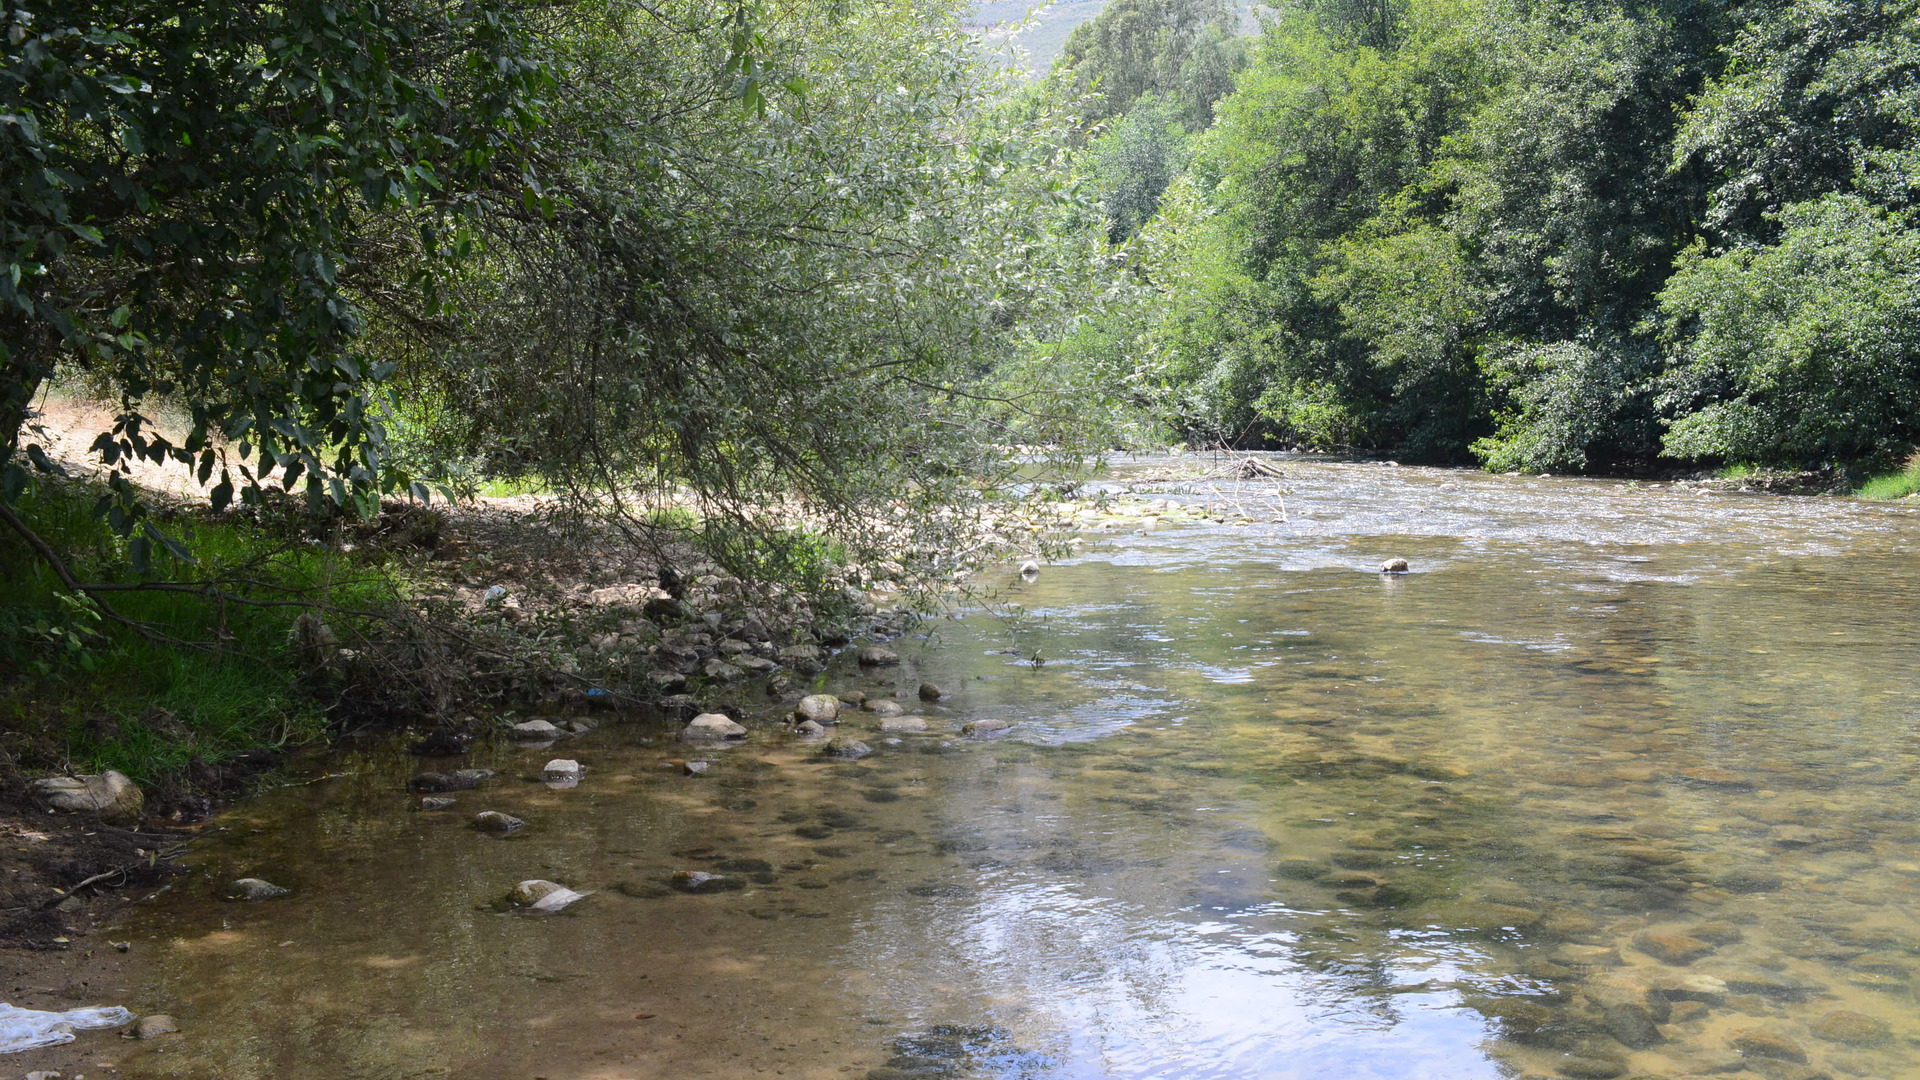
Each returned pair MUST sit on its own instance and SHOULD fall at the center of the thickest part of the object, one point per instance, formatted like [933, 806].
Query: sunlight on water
[1620, 781]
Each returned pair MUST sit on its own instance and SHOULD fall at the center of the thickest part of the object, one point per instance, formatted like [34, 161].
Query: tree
[197, 193]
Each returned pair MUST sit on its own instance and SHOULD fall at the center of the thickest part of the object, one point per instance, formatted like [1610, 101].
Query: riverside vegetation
[770, 313]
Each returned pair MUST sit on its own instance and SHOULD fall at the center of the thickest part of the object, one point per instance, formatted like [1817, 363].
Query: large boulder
[109, 794]
[819, 708]
[712, 727]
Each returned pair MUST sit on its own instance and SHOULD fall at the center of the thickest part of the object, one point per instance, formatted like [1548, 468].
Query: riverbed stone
[493, 821]
[847, 749]
[695, 768]
[1716, 932]
[700, 882]
[1852, 1028]
[1749, 880]
[1676, 949]
[110, 794]
[981, 728]
[908, 724]
[1394, 566]
[713, 727]
[807, 729]
[437, 802]
[930, 692]
[819, 708]
[877, 656]
[536, 731]
[1632, 1025]
[885, 707]
[1575, 955]
[1585, 1067]
[562, 771]
[543, 896]
[1714, 778]
[251, 889]
[1766, 1042]
[154, 1025]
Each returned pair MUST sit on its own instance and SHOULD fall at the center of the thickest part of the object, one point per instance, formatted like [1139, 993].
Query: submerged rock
[712, 727]
[436, 802]
[1852, 1028]
[154, 1025]
[542, 896]
[884, 707]
[251, 888]
[700, 882]
[819, 708]
[904, 723]
[562, 772]
[843, 747]
[1761, 1042]
[1671, 948]
[978, 728]
[493, 821]
[109, 794]
[807, 729]
[930, 692]
[460, 780]
[877, 656]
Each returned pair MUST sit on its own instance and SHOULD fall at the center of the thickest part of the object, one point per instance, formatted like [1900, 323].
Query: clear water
[1263, 813]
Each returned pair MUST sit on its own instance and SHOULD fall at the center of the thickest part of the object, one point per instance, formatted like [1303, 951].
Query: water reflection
[1619, 782]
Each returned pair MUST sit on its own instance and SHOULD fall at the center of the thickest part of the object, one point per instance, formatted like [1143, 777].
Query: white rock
[109, 794]
[563, 771]
[708, 727]
[1029, 569]
[252, 888]
[1394, 566]
[536, 731]
[543, 896]
[819, 708]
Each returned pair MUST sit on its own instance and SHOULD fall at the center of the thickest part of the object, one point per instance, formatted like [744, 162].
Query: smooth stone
[543, 896]
[877, 656]
[930, 692]
[1397, 566]
[700, 882]
[819, 708]
[1029, 569]
[848, 749]
[1585, 956]
[1759, 1042]
[1852, 1028]
[695, 768]
[562, 771]
[1579, 1067]
[809, 730]
[251, 889]
[109, 794]
[1632, 1025]
[904, 723]
[710, 727]
[536, 731]
[493, 821]
[1717, 932]
[154, 1025]
[984, 727]
[467, 778]
[1671, 948]
[437, 802]
[1689, 986]
[885, 707]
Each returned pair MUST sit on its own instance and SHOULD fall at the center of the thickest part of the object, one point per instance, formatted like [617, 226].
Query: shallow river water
[1619, 781]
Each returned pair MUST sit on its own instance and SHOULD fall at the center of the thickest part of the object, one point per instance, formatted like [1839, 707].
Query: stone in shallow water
[562, 772]
[930, 692]
[819, 708]
[1749, 881]
[1671, 948]
[979, 728]
[1714, 778]
[909, 724]
[699, 882]
[536, 731]
[493, 821]
[1765, 1042]
[542, 896]
[154, 1025]
[843, 747]
[1852, 1028]
[877, 656]
[712, 727]
[437, 802]
[884, 708]
[251, 889]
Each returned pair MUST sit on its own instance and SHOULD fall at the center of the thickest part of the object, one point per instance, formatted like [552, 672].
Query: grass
[1897, 485]
[82, 692]
[1738, 470]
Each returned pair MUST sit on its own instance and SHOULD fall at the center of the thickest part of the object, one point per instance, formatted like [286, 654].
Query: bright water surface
[1264, 813]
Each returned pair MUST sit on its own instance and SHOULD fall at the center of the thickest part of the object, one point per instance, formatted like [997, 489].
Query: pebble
[252, 888]
[152, 1026]
[708, 727]
[984, 727]
[493, 821]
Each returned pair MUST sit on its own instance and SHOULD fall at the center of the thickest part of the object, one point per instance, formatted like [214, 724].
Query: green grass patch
[1738, 470]
[1897, 485]
[83, 692]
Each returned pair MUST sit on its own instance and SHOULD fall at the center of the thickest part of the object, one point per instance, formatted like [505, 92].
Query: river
[1618, 781]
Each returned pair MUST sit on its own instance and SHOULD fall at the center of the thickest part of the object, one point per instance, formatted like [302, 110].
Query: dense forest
[1565, 236]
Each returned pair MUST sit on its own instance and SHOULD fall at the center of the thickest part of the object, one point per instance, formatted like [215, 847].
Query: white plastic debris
[28, 1029]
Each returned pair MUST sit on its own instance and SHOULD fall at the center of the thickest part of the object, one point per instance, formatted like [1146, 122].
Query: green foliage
[1183, 52]
[1132, 163]
[87, 688]
[201, 193]
[1899, 485]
